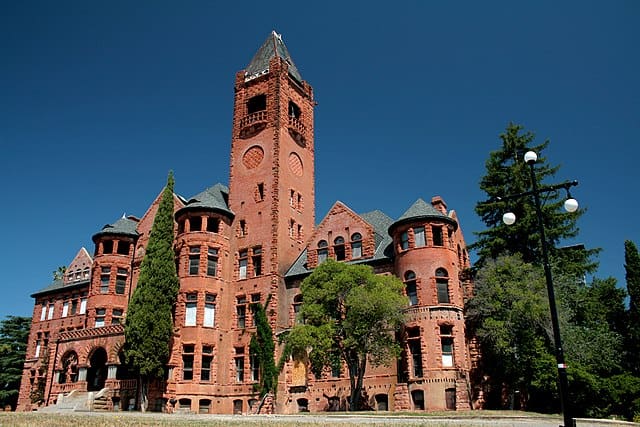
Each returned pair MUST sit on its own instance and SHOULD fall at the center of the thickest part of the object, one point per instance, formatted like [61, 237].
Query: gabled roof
[125, 226]
[272, 47]
[213, 198]
[420, 210]
[383, 250]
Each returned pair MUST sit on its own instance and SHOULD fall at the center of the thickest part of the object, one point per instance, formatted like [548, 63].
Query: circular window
[253, 157]
[295, 164]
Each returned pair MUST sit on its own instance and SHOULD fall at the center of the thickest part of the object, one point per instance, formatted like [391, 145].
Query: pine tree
[14, 333]
[149, 323]
[632, 268]
[508, 174]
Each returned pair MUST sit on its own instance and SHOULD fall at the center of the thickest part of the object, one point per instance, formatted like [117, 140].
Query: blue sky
[98, 100]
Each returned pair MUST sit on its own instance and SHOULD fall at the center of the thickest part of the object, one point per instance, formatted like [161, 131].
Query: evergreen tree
[262, 350]
[350, 316]
[632, 268]
[14, 333]
[508, 174]
[149, 322]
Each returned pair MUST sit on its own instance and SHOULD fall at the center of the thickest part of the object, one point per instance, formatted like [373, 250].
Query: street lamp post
[509, 218]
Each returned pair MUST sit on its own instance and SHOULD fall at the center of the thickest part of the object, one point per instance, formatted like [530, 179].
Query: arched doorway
[97, 371]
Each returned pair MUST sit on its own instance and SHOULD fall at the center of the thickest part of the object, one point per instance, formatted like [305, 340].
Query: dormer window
[356, 245]
[323, 251]
[338, 248]
[257, 103]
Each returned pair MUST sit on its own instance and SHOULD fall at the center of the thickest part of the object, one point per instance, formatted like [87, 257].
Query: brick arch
[115, 350]
[62, 351]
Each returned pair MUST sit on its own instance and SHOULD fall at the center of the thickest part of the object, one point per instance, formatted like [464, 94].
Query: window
[51, 308]
[123, 247]
[43, 313]
[243, 227]
[37, 353]
[74, 305]
[65, 309]
[415, 348]
[356, 245]
[254, 363]
[260, 192]
[105, 275]
[336, 366]
[323, 252]
[194, 260]
[292, 198]
[255, 299]
[187, 362]
[212, 262]
[338, 248]
[256, 260]
[297, 304]
[404, 241]
[239, 362]
[299, 204]
[85, 273]
[181, 226]
[207, 359]
[437, 236]
[209, 311]
[446, 330]
[241, 311]
[195, 223]
[100, 312]
[450, 237]
[447, 351]
[292, 228]
[213, 225]
[419, 237]
[442, 286]
[116, 316]
[121, 280]
[256, 103]
[242, 264]
[191, 307]
[83, 304]
[294, 110]
[410, 287]
[107, 247]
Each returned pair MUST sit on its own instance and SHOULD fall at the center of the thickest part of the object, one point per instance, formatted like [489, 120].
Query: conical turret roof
[272, 47]
[123, 227]
[420, 210]
[213, 198]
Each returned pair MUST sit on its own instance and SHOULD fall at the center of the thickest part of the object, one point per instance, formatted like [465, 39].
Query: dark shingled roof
[213, 198]
[272, 47]
[384, 250]
[124, 227]
[58, 284]
[420, 209]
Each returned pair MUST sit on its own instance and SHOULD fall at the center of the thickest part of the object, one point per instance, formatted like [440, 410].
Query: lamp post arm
[547, 189]
[562, 367]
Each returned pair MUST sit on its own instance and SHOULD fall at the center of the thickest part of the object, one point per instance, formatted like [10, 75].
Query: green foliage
[14, 334]
[509, 314]
[632, 268]
[149, 323]
[59, 272]
[262, 348]
[508, 174]
[350, 314]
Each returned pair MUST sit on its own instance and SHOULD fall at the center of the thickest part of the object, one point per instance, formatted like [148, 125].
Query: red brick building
[238, 245]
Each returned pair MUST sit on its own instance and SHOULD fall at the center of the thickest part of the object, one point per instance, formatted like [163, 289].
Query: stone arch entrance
[97, 371]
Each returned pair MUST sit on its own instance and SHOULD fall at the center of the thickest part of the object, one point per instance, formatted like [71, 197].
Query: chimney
[439, 204]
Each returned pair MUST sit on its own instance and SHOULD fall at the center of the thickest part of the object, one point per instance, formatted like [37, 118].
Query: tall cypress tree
[149, 323]
[508, 174]
[632, 268]
[262, 349]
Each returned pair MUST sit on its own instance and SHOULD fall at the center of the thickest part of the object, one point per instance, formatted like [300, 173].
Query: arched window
[410, 287]
[442, 286]
[356, 245]
[323, 251]
[338, 248]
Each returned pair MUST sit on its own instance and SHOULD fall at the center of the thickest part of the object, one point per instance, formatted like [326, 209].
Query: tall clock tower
[272, 168]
